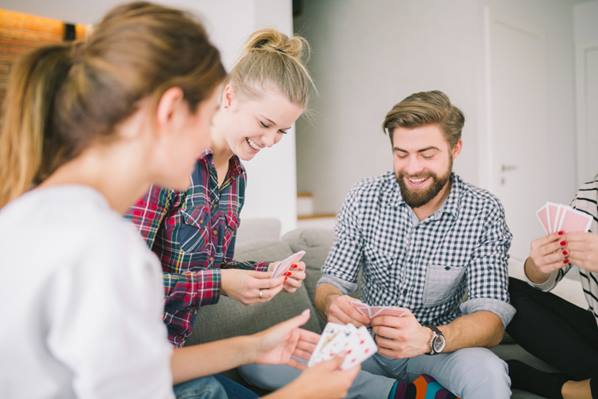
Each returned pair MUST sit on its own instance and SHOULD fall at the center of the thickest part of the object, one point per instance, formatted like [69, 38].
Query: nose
[413, 166]
[271, 138]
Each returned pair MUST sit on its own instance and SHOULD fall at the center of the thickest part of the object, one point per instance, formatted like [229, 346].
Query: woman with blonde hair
[87, 129]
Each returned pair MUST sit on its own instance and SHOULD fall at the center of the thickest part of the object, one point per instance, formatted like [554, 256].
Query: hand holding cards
[339, 339]
[556, 217]
[284, 265]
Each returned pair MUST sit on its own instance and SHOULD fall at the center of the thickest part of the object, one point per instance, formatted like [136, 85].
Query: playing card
[392, 311]
[361, 347]
[542, 215]
[575, 221]
[333, 341]
[337, 339]
[285, 264]
[362, 307]
[553, 212]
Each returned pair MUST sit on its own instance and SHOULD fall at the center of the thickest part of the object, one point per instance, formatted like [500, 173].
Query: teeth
[417, 181]
[253, 145]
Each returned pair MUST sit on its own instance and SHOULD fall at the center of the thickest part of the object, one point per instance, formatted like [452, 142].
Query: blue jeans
[213, 387]
[367, 385]
[469, 373]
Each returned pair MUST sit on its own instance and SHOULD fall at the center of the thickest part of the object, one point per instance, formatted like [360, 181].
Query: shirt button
[215, 232]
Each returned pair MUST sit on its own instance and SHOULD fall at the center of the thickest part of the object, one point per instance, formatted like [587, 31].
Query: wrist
[429, 334]
[533, 273]
[328, 301]
[224, 279]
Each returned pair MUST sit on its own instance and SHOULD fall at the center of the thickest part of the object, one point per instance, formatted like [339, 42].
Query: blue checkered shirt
[454, 262]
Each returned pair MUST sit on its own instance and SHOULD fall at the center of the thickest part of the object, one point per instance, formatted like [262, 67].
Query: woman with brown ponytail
[86, 130]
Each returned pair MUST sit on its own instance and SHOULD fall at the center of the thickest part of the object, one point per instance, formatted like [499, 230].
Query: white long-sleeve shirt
[81, 301]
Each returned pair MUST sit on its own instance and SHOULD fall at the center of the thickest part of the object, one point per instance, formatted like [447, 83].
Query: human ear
[169, 103]
[228, 96]
[456, 150]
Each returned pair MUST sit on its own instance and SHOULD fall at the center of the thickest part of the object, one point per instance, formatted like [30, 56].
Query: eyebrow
[274, 123]
[419, 151]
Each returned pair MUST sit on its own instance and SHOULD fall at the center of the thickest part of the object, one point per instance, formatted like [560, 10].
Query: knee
[484, 369]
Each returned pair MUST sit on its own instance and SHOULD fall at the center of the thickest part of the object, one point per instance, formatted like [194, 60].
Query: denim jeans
[213, 387]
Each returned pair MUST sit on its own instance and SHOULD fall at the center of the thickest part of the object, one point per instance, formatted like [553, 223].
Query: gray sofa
[229, 318]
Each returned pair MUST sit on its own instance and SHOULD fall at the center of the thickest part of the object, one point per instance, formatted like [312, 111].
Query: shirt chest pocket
[379, 265]
[193, 232]
[442, 283]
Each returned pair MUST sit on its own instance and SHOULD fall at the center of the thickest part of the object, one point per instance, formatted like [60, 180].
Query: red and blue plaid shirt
[193, 235]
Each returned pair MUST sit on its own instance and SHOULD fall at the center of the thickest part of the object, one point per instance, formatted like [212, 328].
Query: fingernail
[287, 273]
[561, 233]
[565, 252]
[294, 266]
[566, 261]
[563, 243]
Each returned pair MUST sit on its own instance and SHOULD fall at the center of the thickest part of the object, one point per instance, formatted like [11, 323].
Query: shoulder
[371, 187]
[478, 197]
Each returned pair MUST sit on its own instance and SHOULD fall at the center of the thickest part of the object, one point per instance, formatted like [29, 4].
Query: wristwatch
[438, 341]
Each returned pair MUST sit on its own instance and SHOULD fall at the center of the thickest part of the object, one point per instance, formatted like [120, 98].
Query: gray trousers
[470, 373]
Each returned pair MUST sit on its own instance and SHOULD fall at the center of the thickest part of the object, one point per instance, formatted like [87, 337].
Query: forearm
[478, 329]
[214, 357]
[191, 289]
[324, 293]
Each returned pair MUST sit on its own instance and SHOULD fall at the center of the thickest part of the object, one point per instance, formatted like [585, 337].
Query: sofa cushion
[229, 318]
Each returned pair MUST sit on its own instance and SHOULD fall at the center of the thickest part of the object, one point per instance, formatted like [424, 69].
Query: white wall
[271, 188]
[586, 56]
[367, 56]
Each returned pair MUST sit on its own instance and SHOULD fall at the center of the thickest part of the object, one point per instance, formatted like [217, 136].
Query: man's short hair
[426, 108]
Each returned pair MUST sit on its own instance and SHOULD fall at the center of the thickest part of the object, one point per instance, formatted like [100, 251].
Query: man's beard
[415, 199]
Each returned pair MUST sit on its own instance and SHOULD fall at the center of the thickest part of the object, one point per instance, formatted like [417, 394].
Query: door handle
[507, 168]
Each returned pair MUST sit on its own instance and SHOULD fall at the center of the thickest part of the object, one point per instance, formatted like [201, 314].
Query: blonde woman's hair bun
[274, 41]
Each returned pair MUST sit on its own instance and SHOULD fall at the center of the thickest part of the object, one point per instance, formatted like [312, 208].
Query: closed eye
[264, 125]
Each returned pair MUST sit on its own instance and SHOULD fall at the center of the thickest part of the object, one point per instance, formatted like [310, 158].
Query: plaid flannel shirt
[193, 235]
[452, 262]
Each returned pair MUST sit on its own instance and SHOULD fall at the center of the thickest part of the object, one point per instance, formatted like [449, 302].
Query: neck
[111, 172]
[221, 152]
[434, 204]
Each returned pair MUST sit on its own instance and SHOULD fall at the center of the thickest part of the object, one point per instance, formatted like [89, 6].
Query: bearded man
[425, 240]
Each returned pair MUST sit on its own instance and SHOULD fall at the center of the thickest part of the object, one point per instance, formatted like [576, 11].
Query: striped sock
[423, 387]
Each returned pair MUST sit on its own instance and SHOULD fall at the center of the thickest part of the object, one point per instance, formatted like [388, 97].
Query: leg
[370, 383]
[545, 321]
[469, 373]
[200, 388]
[234, 389]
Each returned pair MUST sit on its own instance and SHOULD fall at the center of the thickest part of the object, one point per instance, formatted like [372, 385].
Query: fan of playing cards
[373, 311]
[338, 339]
[556, 217]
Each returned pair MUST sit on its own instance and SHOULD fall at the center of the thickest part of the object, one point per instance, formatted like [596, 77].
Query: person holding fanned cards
[432, 251]
[560, 333]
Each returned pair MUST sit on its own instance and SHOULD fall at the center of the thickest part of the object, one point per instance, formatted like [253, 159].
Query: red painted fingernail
[565, 252]
[287, 273]
[566, 261]
[294, 266]
[563, 243]
[561, 233]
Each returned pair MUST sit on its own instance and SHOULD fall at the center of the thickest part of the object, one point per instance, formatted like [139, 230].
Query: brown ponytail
[62, 98]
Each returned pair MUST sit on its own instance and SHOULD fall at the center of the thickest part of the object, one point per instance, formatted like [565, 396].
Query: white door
[517, 122]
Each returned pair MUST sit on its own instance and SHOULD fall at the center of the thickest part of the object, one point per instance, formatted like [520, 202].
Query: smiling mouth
[417, 182]
[253, 145]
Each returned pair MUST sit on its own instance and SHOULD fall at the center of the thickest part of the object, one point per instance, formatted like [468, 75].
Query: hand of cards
[373, 311]
[338, 339]
[284, 265]
[556, 217]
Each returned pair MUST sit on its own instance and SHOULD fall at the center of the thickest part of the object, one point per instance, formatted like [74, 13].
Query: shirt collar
[235, 167]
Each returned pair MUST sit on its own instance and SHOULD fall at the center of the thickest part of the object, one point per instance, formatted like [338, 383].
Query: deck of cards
[556, 217]
[373, 311]
[284, 265]
[338, 339]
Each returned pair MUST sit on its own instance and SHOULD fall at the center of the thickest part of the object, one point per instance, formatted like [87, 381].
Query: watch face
[438, 343]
